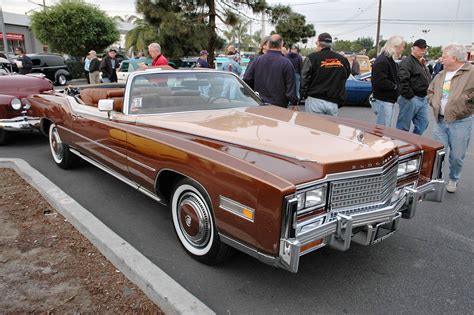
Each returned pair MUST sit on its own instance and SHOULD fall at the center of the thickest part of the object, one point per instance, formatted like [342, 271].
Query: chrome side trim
[236, 208]
[267, 259]
[141, 164]
[109, 149]
[117, 175]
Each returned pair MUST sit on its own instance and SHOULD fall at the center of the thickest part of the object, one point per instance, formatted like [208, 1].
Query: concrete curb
[170, 296]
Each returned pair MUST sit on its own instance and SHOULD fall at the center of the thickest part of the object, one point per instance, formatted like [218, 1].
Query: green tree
[361, 43]
[141, 36]
[173, 19]
[342, 45]
[434, 52]
[74, 27]
[291, 25]
[127, 18]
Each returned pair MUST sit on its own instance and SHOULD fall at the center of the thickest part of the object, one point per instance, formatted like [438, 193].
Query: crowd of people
[283, 78]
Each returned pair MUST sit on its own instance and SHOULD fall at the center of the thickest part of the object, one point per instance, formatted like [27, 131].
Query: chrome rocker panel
[338, 233]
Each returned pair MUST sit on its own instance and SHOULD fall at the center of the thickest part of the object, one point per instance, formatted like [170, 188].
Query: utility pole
[377, 40]
[4, 33]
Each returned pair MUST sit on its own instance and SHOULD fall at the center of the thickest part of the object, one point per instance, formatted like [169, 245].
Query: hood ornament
[360, 136]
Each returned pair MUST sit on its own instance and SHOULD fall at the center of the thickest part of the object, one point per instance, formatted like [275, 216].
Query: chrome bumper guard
[373, 226]
[21, 123]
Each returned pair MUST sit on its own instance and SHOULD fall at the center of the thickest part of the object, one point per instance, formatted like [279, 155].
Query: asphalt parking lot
[427, 267]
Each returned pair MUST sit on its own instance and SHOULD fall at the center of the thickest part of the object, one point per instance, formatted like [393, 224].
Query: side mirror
[106, 105]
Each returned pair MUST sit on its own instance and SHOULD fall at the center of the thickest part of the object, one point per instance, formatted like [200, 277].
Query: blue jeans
[416, 110]
[319, 106]
[455, 136]
[383, 111]
[297, 84]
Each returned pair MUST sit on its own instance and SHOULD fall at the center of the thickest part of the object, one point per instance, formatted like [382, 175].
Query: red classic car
[237, 173]
[15, 114]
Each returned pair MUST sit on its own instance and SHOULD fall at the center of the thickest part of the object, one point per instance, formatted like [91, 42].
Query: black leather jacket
[414, 78]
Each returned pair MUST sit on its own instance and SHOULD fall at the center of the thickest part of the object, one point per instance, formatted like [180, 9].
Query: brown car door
[102, 138]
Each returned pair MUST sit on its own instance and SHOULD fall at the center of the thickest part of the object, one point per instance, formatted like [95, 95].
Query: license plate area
[385, 230]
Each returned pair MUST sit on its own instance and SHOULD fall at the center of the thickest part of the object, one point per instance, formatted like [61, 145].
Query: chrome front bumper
[363, 228]
[21, 123]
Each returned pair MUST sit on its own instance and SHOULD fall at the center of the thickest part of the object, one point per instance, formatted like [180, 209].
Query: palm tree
[139, 37]
[240, 31]
[230, 36]
[127, 19]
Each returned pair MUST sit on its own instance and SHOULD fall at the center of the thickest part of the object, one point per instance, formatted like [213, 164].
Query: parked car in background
[15, 111]
[187, 62]
[6, 66]
[129, 65]
[54, 67]
[364, 61]
[235, 173]
[358, 89]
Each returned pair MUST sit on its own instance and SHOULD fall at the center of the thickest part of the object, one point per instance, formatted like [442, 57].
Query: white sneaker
[452, 186]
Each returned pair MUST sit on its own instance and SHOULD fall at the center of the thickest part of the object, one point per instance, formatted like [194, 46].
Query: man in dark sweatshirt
[414, 81]
[385, 81]
[272, 75]
[323, 78]
[297, 61]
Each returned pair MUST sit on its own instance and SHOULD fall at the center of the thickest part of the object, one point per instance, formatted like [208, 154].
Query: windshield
[155, 93]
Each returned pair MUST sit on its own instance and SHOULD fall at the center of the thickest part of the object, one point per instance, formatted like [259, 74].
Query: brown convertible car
[237, 173]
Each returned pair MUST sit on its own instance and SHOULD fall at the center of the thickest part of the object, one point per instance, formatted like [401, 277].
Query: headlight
[26, 103]
[311, 198]
[409, 166]
[16, 104]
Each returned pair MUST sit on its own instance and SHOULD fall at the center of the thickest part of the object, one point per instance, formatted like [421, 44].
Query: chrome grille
[362, 194]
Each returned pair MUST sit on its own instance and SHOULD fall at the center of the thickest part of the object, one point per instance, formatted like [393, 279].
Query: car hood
[295, 135]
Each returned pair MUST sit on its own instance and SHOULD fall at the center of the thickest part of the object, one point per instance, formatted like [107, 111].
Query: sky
[437, 21]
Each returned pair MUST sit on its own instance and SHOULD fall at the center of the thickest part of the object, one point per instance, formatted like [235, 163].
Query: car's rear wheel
[4, 136]
[61, 79]
[63, 157]
[194, 223]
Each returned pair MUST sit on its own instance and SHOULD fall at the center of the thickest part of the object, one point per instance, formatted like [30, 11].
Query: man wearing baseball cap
[323, 78]
[109, 66]
[202, 60]
[414, 82]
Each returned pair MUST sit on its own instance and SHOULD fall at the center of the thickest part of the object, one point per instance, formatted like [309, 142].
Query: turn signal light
[247, 213]
[310, 245]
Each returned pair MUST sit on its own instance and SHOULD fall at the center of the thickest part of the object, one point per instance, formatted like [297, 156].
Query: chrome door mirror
[106, 105]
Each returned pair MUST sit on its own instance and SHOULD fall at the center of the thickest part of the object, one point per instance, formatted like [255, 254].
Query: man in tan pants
[94, 68]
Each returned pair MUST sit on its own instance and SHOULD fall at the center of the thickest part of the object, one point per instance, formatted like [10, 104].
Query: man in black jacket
[23, 62]
[323, 78]
[273, 76]
[414, 82]
[108, 67]
[385, 81]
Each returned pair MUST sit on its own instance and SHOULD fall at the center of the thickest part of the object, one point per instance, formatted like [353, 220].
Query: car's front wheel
[61, 79]
[63, 157]
[194, 223]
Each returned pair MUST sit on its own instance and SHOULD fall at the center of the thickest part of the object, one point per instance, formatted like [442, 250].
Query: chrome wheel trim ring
[193, 218]
[62, 79]
[206, 243]
[55, 144]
